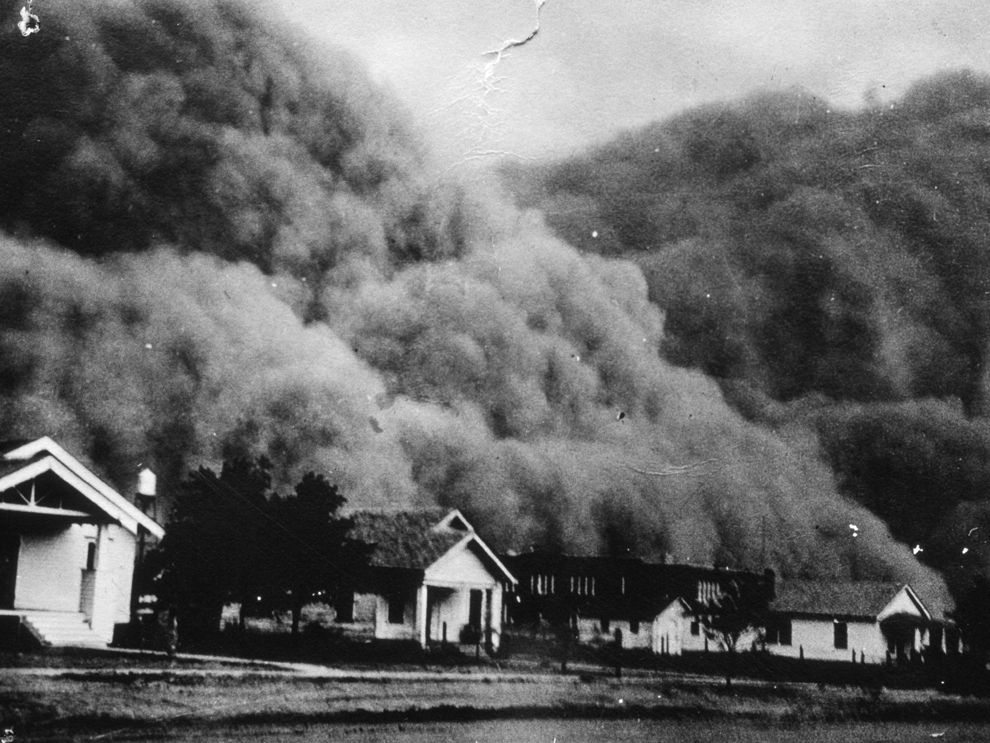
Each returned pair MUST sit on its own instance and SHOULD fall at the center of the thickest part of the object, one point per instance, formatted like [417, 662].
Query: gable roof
[678, 603]
[23, 461]
[404, 539]
[858, 599]
[417, 539]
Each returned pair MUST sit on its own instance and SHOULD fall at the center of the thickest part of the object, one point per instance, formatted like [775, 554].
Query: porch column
[421, 617]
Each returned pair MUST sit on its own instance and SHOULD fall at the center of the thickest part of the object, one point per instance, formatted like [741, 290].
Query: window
[605, 625]
[841, 632]
[708, 591]
[343, 604]
[582, 585]
[779, 631]
[544, 584]
[634, 626]
[396, 610]
[91, 555]
[695, 628]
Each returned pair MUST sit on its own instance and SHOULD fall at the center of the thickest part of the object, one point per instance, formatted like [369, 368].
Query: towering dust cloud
[830, 269]
[219, 241]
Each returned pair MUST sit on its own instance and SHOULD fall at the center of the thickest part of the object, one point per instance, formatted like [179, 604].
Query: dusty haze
[217, 242]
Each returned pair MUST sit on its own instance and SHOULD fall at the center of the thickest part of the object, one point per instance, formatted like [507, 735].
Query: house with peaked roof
[861, 621]
[68, 543]
[432, 579]
[676, 629]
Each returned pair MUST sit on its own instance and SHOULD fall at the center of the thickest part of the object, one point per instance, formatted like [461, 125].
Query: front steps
[61, 629]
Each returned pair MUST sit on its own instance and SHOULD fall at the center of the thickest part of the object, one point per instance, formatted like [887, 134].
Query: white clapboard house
[68, 543]
[433, 580]
[861, 621]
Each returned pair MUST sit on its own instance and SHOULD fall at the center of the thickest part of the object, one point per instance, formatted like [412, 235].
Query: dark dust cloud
[830, 270]
[219, 241]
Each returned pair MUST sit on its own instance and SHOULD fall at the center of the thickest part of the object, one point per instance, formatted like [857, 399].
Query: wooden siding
[460, 567]
[49, 569]
[815, 639]
[114, 571]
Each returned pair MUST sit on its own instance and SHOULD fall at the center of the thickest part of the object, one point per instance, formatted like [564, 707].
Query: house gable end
[44, 455]
[481, 557]
[462, 564]
[905, 602]
[677, 607]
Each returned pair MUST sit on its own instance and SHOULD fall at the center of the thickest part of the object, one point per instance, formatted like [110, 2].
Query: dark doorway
[474, 609]
[10, 546]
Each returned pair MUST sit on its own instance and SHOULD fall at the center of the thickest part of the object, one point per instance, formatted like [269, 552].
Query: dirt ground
[582, 731]
[165, 705]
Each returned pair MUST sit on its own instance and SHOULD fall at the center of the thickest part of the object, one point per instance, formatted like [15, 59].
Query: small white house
[67, 546]
[676, 630]
[862, 621]
[433, 579]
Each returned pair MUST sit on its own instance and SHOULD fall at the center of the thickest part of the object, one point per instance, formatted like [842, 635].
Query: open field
[214, 704]
[581, 731]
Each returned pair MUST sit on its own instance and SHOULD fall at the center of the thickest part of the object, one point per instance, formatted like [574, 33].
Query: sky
[596, 68]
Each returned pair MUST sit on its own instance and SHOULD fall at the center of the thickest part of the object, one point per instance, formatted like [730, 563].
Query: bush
[469, 635]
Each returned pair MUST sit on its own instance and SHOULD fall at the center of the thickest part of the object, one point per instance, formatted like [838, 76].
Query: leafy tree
[230, 539]
[311, 549]
[209, 555]
[737, 613]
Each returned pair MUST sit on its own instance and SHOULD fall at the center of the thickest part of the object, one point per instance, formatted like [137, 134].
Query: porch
[460, 615]
[434, 615]
[905, 636]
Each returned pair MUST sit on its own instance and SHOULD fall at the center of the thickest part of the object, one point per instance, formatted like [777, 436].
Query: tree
[312, 553]
[231, 539]
[737, 613]
[210, 553]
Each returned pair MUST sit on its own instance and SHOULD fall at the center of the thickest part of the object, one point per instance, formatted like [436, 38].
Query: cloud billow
[217, 244]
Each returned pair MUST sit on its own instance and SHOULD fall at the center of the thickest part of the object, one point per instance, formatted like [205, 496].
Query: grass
[173, 692]
[578, 731]
[83, 701]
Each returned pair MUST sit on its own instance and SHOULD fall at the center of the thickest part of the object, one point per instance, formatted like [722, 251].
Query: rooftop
[834, 598]
[405, 539]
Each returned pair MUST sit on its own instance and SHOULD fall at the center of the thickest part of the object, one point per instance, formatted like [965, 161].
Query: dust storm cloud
[218, 240]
